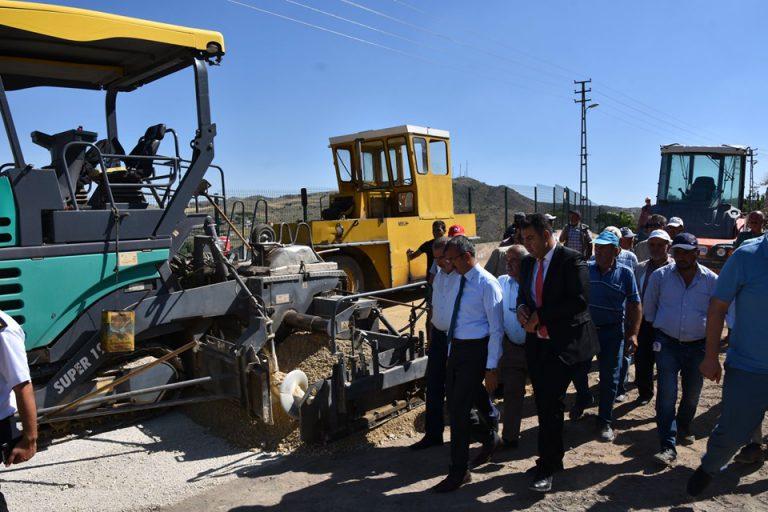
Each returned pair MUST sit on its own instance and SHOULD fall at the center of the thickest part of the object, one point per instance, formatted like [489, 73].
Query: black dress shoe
[486, 452]
[577, 411]
[453, 481]
[541, 483]
[510, 444]
[644, 399]
[698, 482]
[426, 442]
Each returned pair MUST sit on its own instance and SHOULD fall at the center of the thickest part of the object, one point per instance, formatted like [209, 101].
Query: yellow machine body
[393, 184]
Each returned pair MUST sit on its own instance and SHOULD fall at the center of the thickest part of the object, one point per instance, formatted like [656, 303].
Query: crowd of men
[543, 308]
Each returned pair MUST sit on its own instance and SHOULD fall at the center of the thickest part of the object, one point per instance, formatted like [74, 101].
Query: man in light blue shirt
[475, 335]
[445, 285]
[676, 303]
[513, 370]
[743, 280]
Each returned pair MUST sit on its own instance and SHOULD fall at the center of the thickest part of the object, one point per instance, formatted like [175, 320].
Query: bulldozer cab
[704, 186]
[402, 171]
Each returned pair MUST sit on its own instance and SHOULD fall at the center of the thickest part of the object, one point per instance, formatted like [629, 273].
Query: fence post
[506, 208]
[469, 199]
[304, 203]
[535, 199]
[554, 204]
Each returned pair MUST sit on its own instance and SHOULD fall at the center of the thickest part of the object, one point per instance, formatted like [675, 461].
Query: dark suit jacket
[565, 308]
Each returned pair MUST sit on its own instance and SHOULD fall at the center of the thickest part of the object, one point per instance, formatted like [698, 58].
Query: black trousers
[550, 378]
[464, 384]
[436, 362]
[6, 436]
[644, 360]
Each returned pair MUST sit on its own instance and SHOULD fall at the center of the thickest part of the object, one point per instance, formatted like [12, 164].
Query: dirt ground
[598, 476]
[378, 471]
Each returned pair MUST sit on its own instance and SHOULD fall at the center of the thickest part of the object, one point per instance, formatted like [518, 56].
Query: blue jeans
[745, 400]
[610, 357]
[626, 362]
[677, 358]
[437, 358]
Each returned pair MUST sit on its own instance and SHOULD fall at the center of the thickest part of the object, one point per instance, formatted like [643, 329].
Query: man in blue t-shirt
[744, 279]
[612, 293]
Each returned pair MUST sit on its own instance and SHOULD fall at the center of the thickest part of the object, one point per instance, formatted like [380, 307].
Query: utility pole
[581, 93]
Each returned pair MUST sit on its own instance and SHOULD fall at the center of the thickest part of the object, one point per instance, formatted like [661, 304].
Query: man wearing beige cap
[658, 247]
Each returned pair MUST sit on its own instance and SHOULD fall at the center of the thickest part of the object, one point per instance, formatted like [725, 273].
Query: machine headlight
[721, 252]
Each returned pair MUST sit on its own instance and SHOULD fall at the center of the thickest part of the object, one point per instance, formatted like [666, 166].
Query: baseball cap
[685, 241]
[549, 217]
[509, 231]
[660, 233]
[627, 233]
[607, 238]
[456, 230]
[675, 222]
[575, 212]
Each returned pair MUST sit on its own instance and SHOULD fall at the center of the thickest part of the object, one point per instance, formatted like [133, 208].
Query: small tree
[618, 219]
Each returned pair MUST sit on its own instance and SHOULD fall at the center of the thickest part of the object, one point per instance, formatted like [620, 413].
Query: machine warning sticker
[282, 298]
[128, 259]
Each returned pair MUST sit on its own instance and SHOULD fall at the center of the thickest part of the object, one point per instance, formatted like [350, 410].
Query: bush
[618, 219]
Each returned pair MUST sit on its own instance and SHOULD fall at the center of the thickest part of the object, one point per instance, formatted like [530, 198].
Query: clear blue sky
[497, 74]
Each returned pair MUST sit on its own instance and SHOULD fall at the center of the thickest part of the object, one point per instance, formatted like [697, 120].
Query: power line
[368, 27]
[411, 7]
[540, 70]
[384, 47]
[330, 31]
[449, 38]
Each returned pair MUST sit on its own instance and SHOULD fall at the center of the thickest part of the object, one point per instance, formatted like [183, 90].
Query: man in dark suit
[553, 306]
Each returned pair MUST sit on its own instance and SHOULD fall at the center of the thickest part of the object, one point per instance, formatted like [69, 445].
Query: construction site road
[597, 477]
[139, 467]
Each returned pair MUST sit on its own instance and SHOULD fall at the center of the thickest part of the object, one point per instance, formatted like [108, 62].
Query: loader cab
[704, 186]
[395, 172]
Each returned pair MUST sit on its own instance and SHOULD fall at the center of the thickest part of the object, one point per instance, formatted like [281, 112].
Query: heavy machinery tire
[355, 277]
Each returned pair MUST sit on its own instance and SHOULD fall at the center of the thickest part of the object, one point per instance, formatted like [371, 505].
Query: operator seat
[136, 170]
[148, 145]
[703, 190]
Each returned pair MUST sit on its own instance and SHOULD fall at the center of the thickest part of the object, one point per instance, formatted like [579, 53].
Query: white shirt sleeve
[13, 358]
[494, 309]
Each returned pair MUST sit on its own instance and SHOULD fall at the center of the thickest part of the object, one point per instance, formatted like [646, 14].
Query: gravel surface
[142, 467]
[598, 477]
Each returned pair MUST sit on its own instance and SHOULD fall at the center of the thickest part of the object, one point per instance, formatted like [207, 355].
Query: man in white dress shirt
[513, 369]
[474, 335]
[445, 285]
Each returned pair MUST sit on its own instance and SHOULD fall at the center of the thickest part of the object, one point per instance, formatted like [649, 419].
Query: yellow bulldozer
[393, 184]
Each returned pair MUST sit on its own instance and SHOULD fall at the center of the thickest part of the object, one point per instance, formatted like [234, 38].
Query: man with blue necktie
[445, 285]
[474, 336]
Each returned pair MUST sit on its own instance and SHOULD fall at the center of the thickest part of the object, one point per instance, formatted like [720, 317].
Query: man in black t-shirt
[438, 231]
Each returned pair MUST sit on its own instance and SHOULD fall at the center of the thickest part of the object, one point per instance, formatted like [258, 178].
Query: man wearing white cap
[675, 226]
[655, 222]
[658, 247]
